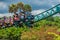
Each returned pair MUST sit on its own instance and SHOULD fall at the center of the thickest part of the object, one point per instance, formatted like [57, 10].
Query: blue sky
[36, 4]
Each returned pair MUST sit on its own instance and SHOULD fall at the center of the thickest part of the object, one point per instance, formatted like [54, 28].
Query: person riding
[11, 21]
[21, 17]
[16, 19]
[5, 20]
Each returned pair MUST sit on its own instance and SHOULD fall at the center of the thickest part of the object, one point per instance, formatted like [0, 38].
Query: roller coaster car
[20, 23]
[7, 24]
[29, 20]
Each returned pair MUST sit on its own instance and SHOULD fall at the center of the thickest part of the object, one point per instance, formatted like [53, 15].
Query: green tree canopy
[28, 7]
[13, 8]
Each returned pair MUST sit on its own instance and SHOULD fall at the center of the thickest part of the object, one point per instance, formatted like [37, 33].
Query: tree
[27, 7]
[20, 5]
[13, 8]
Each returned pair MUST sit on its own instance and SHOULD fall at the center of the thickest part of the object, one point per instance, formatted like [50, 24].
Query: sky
[37, 5]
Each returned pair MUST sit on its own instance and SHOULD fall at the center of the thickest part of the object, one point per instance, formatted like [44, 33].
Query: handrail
[48, 9]
[48, 12]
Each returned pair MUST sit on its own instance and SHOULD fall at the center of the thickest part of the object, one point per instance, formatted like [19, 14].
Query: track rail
[50, 12]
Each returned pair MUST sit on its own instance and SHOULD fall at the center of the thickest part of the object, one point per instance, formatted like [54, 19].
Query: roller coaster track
[52, 11]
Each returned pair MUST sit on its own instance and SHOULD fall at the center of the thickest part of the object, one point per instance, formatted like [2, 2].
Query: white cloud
[6, 14]
[56, 15]
[3, 5]
[53, 5]
[35, 12]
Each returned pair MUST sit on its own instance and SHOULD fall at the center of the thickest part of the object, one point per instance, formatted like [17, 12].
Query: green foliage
[27, 7]
[10, 33]
[58, 38]
[38, 31]
[13, 8]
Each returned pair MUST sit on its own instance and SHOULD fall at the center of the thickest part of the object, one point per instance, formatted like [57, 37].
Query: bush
[12, 33]
[38, 32]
